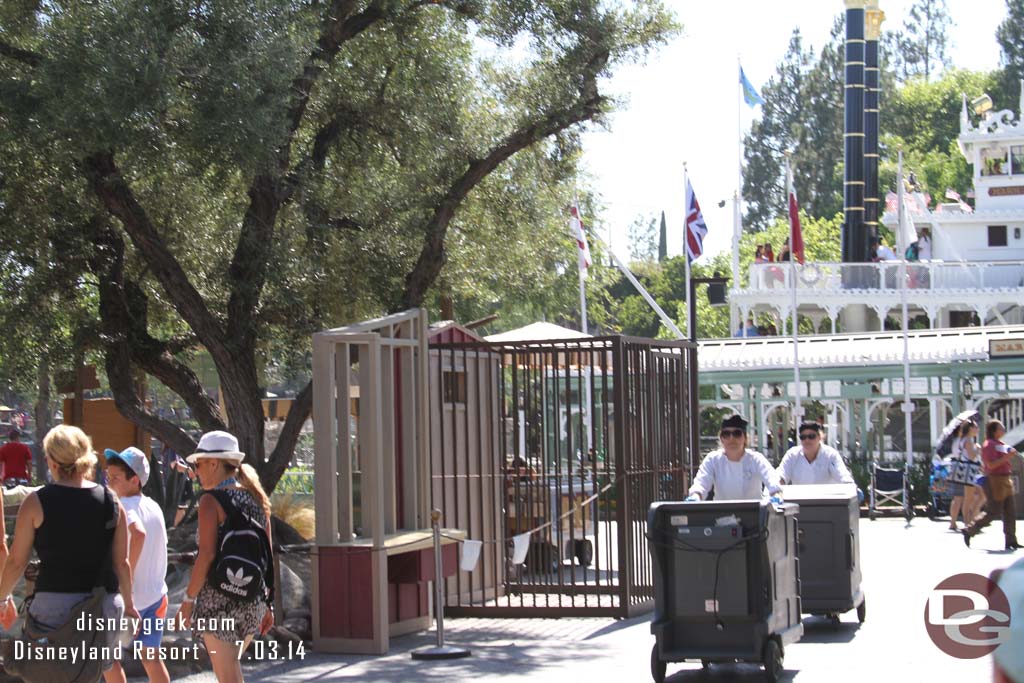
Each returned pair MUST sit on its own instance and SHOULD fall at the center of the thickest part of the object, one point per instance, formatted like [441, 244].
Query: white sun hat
[220, 445]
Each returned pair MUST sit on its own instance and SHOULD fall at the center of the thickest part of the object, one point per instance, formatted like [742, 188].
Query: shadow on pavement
[821, 630]
[487, 662]
[619, 625]
[722, 672]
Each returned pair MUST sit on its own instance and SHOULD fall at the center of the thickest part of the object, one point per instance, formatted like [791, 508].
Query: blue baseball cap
[135, 459]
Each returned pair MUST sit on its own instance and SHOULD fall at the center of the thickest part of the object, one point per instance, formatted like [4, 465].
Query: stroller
[890, 490]
[940, 488]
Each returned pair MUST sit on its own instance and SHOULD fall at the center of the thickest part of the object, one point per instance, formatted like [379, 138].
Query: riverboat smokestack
[855, 239]
[873, 18]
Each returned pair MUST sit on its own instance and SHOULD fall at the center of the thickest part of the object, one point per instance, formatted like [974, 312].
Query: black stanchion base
[440, 652]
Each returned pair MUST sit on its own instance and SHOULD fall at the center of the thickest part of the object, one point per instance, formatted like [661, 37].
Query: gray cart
[829, 549]
[726, 583]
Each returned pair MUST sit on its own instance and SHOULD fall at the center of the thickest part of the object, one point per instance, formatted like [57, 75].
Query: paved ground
[901, 565]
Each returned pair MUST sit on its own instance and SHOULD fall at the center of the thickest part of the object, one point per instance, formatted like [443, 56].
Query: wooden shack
[464, 417]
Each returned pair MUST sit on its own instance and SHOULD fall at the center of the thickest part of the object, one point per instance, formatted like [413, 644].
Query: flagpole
[737, 225]
[798, 411]
[582, 270]
[583, 302]
[908, 405]
[582, 267]
[686, 256]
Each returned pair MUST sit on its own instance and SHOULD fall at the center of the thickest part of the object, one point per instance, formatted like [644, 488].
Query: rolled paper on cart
[520, 544]
[470, 555]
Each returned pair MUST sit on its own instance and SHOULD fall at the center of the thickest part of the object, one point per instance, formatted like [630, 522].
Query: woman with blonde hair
[80, 533]
[226, 623]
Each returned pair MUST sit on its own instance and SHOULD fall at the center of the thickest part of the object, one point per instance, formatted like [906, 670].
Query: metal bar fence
[569, 442]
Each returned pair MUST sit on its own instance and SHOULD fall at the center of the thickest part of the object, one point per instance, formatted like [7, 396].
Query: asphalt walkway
[901, 566]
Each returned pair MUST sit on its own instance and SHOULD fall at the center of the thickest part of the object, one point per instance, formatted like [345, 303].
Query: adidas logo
[237, 583]
[238, 578]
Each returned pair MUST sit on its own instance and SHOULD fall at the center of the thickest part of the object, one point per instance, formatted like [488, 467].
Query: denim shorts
[53, 609]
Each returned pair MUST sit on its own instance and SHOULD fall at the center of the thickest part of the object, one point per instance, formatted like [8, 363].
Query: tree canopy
[232, 176]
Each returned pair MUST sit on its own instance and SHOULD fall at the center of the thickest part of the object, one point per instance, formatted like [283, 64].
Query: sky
[681, 106]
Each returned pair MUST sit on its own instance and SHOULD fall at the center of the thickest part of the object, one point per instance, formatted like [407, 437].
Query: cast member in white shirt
[734, 471]
[813, 462]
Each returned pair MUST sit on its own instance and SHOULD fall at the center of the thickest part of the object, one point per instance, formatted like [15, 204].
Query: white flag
[470, 555]
[907, 231]
[520, 544]
[580, 235]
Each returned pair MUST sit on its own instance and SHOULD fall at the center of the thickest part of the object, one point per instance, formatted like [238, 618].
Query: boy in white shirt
[127, 473]
[734, 471]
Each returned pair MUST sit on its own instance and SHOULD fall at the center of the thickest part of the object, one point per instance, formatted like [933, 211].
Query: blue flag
[750, 94]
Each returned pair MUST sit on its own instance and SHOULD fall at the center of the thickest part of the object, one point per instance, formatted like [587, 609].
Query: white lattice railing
[929, 275]
[1011, 414]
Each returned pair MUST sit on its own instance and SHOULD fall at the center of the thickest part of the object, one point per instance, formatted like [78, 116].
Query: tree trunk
[43, 415]
[243, 400]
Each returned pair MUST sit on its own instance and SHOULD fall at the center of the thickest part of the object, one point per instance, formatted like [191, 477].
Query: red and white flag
[796, 241]
[955, 196]
[696, 228]
[580, 235]
[891, 202]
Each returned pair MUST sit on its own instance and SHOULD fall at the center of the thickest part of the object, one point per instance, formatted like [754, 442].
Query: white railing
[1011, 414]
[885, 275]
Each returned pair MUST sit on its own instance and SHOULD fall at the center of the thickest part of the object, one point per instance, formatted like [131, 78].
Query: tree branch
[156, 358]
[120, 327]
[432, 257]
[115, 194]
[18, 54]
[340, 25]
[248, 269]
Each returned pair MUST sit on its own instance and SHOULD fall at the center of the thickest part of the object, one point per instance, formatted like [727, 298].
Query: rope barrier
[566, 514]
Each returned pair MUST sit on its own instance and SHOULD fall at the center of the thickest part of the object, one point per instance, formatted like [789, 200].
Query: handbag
[43, 654]
[964, 471]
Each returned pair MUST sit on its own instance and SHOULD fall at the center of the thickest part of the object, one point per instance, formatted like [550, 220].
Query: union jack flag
[696, 229]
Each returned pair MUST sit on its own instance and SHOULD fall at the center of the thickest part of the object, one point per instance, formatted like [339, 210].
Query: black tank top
[73, 542]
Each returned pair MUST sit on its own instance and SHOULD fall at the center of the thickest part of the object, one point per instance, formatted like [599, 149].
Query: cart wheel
[871, 515]
[657, 666]
[862, 611]
[584, 552]
[772, 660]
[705, 664]
[834, 620]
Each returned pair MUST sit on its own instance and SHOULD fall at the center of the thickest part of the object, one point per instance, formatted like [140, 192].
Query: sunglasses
[734, 433]
[809, 436]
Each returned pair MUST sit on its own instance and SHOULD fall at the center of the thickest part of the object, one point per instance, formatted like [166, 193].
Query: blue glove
[692, 498]
[777, 499]
[860, 495]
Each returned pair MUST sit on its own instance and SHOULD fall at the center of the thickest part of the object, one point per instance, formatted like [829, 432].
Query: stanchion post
[439, 651]
[435, 518]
